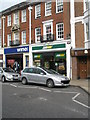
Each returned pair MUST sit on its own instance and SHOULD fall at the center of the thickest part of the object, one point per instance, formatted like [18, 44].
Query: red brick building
[50, 35]
[15, 34]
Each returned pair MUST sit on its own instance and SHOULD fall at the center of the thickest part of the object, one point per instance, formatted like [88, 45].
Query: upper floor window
[0, 41]
[59, 6]
[0, 23]
[87, 4]
[37, 34]
[23, 15]
[48, 8]
[16, 18]
[9, 20]
[59, 31]
[48, 31]
[23, 37]
[37, 11]
[8, 39]
[16, 36]
[87, 31]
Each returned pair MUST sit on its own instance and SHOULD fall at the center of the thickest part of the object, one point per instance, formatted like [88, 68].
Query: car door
[32, 75]
[41, 76]
[27, 73]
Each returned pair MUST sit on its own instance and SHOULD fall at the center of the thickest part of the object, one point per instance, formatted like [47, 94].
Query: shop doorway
[83, 67]
[15, 62]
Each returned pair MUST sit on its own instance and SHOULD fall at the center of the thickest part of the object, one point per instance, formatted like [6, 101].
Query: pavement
[82, 83]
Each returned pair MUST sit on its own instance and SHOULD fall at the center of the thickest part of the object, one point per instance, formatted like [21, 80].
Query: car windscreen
[48, 71]
[8, 70]
[54, 72]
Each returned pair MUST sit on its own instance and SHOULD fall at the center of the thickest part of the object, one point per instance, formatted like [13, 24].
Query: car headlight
[9, 76]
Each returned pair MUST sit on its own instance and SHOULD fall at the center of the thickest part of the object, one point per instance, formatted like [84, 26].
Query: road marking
[26, 87]
[79, 102]
[64, 92]
[41, 98]
[13, 85]
[75, 96]
[44, 89]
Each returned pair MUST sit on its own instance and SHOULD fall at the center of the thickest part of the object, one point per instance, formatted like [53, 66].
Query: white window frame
[23, 37]
[87, 31]
[58, 5]
[48, 8]
[57, 31]
[46, 23]
[16, 21]
[23, 15]
[15, 36]
[36, 34]
[0, 41]
[36, 16]
[9, 20]
[0, 23]
[8, 39]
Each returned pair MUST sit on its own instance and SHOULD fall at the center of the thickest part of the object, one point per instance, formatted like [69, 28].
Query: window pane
[48, 8]
[59, 6]
[38, 34]
[60, 31]
[38, 11]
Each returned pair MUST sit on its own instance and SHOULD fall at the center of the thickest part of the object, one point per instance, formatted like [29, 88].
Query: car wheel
[24, 81]
[3, 79]
[50, 83]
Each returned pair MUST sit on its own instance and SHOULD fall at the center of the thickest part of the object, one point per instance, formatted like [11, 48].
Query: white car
[43, 76]
[8, 74]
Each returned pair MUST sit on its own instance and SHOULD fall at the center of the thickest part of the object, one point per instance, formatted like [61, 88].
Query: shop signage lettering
[22, 49]
[16, 50]
[47, 47]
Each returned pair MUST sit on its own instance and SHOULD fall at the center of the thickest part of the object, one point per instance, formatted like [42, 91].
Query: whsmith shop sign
[17, 50]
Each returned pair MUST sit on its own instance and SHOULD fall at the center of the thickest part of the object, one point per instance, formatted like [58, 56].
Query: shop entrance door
[83, 67]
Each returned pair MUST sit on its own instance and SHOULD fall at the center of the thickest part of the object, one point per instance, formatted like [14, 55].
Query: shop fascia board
[49, 50]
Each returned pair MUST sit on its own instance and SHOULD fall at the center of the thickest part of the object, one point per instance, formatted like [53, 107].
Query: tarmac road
[36, 101]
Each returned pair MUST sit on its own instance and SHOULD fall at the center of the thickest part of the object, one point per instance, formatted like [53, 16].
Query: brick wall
[57, 17]
[79, 9]
[23, 26]
[79, 35]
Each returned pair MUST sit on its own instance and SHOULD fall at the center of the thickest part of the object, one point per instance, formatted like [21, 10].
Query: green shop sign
[49, 47]
[60, 55]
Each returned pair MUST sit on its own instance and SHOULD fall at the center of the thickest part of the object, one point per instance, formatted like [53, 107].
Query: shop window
[27, 61]
[48, 8]
[59, 6]
[37, 11]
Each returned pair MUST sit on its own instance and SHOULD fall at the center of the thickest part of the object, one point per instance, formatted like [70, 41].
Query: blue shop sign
[16, 50]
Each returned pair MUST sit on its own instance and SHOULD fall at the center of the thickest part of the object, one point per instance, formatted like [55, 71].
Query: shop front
[53, 56]
[80, 64]
[17, 58]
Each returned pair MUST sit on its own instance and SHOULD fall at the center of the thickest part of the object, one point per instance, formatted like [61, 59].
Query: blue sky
[4, 4]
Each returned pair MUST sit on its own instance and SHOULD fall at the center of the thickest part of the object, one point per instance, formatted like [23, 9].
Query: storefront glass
[55, 61]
